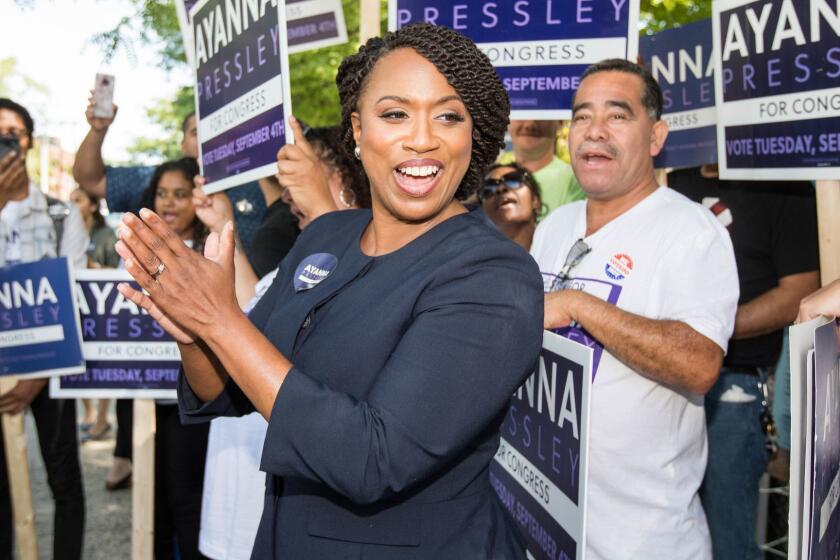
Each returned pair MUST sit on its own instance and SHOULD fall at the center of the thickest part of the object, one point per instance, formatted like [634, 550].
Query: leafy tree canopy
[314, 95]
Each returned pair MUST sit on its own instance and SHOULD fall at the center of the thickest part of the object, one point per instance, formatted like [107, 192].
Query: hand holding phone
[9, 143]
[13, 178]
[103, 96]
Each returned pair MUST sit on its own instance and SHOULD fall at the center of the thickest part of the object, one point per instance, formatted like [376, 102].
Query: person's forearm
[767, 313]
[88, 167]
[204, 373]
[245, 281]
[667, 351]
[775, 308]
[252, 361]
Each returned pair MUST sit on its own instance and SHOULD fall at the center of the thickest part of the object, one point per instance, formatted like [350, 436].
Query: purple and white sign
[242, 89]
[314, 24]
[777, 88]
[128, 354]
[540, 469]
[39, 323]
[822, 542]
[310, 24]
[539, 48]
[606, 291]
[681, 60]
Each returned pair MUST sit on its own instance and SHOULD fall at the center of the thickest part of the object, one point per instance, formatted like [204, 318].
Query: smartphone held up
[9, 143]
[103, 96]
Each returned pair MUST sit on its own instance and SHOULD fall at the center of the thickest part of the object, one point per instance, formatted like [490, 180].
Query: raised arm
[88, 167]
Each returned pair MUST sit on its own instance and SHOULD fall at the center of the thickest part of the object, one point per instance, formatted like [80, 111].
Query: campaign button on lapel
[313, 270]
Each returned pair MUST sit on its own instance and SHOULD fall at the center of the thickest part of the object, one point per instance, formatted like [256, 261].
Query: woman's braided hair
[467, 70]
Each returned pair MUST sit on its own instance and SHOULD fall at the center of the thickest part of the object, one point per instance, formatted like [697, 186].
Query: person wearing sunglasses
[647, 278]
[511, 207]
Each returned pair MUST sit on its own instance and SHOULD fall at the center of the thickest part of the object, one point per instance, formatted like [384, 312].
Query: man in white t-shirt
[648, 279]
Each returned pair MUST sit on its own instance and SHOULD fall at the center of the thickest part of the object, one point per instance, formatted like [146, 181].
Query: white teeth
[420, 171]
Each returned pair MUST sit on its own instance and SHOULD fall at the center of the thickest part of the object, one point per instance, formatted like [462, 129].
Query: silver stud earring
[357, 151]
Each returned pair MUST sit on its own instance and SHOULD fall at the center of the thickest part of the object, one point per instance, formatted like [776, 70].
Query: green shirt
[558, 185]
[101, 249]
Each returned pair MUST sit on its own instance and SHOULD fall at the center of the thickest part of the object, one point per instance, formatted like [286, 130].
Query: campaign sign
[777, 88]
[539, 47]
[801, 344]
[313, 24]
[242, 89]
[823, 539]
[310, 24]
[681, 60]
[40, 324]
[603, 290]
[540, 469]
[128, 353]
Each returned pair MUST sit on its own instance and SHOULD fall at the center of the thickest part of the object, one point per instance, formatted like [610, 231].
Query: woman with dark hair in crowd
[100, 254]
[170, 195]
[318, 176]
[380, 358]
[180, 450]
[513, 209]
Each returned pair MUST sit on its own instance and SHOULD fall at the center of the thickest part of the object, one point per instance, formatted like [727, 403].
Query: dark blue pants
[180, 453]
[55, 421]
[737, 459]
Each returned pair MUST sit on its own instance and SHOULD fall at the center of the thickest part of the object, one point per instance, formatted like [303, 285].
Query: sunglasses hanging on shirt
[576, 253]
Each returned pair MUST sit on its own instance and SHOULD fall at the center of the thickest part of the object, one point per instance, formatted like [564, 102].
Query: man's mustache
[608, 149]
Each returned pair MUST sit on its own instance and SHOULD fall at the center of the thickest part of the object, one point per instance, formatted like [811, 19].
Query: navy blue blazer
[381, 436]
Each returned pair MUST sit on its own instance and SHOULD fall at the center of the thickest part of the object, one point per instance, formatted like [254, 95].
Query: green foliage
[312, 73]
[154, 23]
[169, 114]
[657, 15]
[314, 95]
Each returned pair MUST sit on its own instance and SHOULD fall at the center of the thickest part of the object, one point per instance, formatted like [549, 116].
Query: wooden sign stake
[143, 485]
[17, 467]
[369, 12]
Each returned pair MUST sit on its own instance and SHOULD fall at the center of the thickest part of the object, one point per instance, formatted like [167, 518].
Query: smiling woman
[379, 357]
[170, 195]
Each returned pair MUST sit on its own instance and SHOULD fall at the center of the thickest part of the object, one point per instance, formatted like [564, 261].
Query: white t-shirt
[665, 258]
[234, 486]
[10, 215]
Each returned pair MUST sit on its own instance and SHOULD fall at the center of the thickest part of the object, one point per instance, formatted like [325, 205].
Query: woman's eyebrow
[399, 99]
[396, 98]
